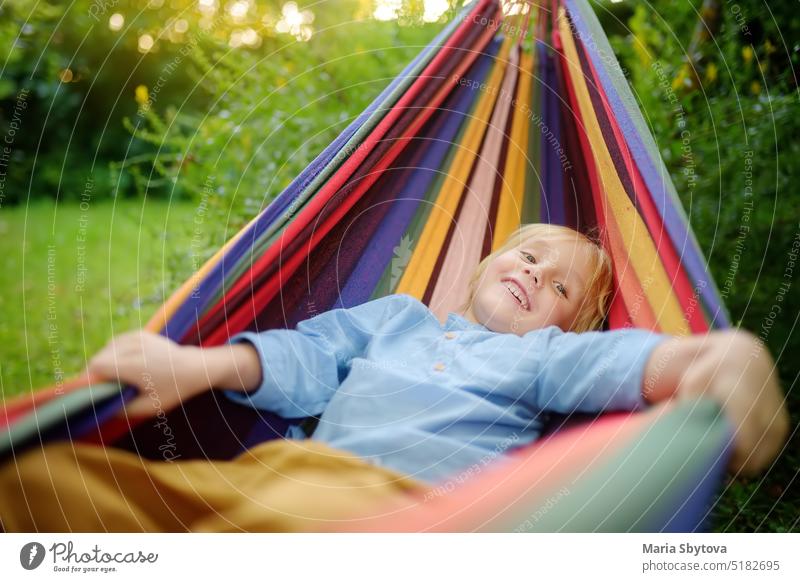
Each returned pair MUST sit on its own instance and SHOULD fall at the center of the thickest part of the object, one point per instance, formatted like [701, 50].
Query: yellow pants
[280, 485]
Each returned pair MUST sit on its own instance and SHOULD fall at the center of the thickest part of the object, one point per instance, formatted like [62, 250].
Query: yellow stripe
[641, 250]
[417, 274]
[509, 210]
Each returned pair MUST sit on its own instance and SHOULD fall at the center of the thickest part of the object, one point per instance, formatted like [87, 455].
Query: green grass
[74, 277]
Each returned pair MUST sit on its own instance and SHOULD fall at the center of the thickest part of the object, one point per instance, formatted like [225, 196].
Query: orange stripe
[629, 298]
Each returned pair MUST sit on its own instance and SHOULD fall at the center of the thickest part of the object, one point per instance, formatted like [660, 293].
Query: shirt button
[449, 335]
[439, 367]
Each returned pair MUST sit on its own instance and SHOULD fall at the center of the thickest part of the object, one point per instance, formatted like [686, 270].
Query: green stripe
[54, 413]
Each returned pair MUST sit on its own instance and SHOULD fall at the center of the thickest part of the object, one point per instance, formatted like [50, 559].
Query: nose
[535, 272]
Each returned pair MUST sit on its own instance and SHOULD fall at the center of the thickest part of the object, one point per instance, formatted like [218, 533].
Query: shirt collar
[456, 321]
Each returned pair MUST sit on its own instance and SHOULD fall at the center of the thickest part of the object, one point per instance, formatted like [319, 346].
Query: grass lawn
[74, 276]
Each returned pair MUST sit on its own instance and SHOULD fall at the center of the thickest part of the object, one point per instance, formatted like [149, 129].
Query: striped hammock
[503, 119]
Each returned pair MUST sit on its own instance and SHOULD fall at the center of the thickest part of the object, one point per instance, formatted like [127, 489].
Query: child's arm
[168, 373]
[735, 369]
[291, 372]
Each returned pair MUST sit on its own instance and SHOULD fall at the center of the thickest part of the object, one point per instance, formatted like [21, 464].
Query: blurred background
[139, 135]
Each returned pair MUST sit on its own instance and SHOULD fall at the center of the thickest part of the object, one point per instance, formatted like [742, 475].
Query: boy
[402, 394]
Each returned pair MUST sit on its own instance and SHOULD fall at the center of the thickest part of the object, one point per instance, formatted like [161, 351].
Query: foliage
[730, 145]
[78, 75]
[83, 64]
[268, 115]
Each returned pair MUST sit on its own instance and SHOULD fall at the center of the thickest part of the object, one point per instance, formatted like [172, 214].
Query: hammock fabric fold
[483, 131]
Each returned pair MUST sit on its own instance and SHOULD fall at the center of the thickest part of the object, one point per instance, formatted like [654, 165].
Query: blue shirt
[396, 387]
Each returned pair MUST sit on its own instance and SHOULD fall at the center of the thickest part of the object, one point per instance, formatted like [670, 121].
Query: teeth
[517, 292]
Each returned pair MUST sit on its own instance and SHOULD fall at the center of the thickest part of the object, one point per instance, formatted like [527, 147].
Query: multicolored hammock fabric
[501, 120]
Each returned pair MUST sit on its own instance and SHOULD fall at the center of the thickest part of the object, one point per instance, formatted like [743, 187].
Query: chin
[501, 318]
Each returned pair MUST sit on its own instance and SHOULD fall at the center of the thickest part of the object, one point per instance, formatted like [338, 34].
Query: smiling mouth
[518, 293]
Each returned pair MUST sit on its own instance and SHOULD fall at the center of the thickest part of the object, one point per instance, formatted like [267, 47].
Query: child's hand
[165, 372]
[747, 389]
[735, 369]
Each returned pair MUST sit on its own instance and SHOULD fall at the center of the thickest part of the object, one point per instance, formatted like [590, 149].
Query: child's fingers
[123, 358]
[759, 440]
[103, 364]
[142, 405]
[771, 441]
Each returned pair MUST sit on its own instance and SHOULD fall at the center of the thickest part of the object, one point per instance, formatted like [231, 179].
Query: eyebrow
[572, 272]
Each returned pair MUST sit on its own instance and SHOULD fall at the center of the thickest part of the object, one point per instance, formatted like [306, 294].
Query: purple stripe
[551, 166]
[376, 257]
[349, 239]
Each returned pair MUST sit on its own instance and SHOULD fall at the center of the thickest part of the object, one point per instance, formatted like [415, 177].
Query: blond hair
[594, 304]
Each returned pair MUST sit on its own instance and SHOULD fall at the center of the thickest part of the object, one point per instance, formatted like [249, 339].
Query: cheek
[490, 273]
[503, 263]
[495, 270]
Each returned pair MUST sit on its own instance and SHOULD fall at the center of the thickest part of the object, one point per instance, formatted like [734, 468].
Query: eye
[529, 257]
[561, 289]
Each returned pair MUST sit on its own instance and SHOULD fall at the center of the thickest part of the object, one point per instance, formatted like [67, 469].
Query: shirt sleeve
[302, 368]
[595, 371]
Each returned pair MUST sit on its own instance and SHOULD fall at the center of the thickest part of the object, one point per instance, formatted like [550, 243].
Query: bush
[82, 66]
[268, 115]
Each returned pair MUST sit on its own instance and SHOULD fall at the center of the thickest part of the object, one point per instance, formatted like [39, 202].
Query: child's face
[539, 283]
